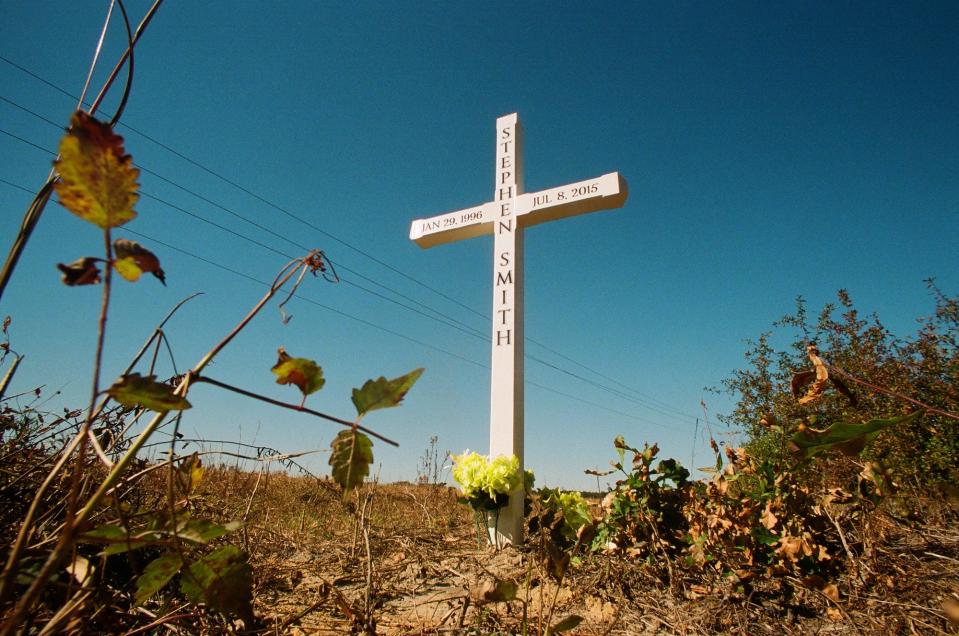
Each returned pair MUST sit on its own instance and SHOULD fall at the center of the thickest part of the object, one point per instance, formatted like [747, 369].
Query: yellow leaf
[190, 473]
[127, 267]
[97, 180]
[132, 259]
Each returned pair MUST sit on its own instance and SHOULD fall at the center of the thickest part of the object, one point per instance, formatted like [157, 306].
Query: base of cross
[506, 527]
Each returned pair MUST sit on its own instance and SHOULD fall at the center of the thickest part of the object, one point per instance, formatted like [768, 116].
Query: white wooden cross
[510, 211]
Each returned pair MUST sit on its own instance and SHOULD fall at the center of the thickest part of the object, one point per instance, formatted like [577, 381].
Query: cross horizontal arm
[602, 193]
[606, 192]
[453, 226]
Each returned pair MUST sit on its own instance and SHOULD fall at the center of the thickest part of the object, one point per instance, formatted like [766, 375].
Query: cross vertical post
[506, 217]
[506, 378]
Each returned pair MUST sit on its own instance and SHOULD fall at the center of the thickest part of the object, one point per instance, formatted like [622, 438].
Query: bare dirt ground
[428, 576]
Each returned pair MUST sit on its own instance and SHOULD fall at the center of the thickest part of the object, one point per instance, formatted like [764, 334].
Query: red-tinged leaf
[136, 390]
[302, 372]
[383, 393]
[83, 271]
[132, 259]
[97, 180]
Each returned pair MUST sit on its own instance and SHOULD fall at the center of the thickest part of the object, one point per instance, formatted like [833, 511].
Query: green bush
[888, 375]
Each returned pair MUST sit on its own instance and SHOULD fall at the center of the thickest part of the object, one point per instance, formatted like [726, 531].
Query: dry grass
[423, 573]
[428, 573]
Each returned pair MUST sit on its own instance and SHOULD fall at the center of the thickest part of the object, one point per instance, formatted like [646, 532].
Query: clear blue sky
[772, 150]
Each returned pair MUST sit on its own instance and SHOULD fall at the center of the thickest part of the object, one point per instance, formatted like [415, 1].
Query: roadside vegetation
[839, 512]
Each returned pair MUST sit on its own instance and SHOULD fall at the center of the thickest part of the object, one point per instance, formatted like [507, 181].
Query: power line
[385, 329]
[640, 395]
[363, 321]
[256, 196]
[650, 403]
[440, 317]
[453, 323]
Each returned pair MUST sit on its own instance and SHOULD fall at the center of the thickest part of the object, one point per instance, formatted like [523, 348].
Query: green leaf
[223, 580]
[203, 531]
[108, 532]
[383, 393]
[351, 458]
[620, 445]
[156, 574]
[848, 438]
[136, 390]
[672, 469]
[97, 180]
[570, 622]
[302, 372]
[117, 539]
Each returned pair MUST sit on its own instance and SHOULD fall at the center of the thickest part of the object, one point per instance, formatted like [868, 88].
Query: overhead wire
[337, 264]
[439, 317]
[631, 390]
[629, 394]
[363, 321]
[450, 322]
[460, 326]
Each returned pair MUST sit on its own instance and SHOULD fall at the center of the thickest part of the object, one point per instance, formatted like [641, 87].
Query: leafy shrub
[644, 512]
[888, 375]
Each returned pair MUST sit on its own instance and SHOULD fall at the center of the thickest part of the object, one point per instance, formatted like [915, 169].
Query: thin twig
[59, 553]
[66, 538]
[98, 450]
[158, 622]
[894, 394]
[123, 58]
[96, 55]
[292, 407]
[32, 216]
[27, 524]
[249, 505]
[129, 52]
[8, 376]
[921, 608]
